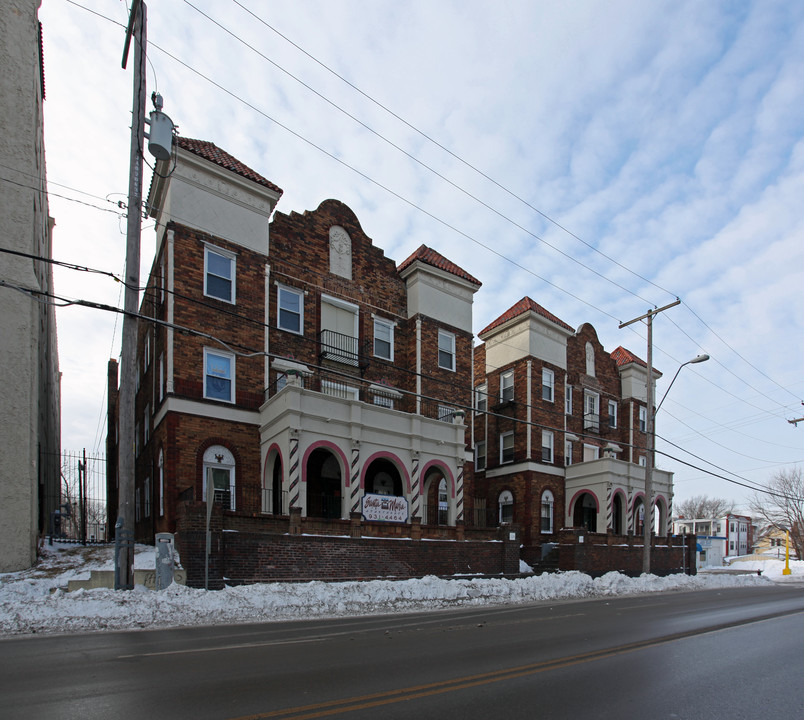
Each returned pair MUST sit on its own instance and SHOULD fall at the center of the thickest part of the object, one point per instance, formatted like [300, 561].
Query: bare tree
[702, 506]
[783, 505]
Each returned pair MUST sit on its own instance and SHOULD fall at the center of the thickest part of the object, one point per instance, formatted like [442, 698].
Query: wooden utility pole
[650, 432]
[124, 547]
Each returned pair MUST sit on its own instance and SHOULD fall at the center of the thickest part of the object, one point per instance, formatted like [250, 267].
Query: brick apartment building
[323, 393]
[317, 377]
[559, 432]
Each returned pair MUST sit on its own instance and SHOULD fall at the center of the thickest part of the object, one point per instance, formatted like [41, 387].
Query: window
[547, 446]
[339, 330]
[161, 467]
[218, 375]
[146, 425]
[383, 339]
[590, 452]
[612, 414]
[507, 386]
[290, 313]
[446, 350]
[219, 273]
[219, 470]
[138, 504]
[481, 398]
[568, 452]
[547, 512]
[548, 385]
[642, 461]
[506, 447]
[383, 400]
[146, 354]
[480, 456]
[643, 419]
[568, 400]
[591, 412]
[341, 390]
[506, 503]
[161, 377]
[147, 493]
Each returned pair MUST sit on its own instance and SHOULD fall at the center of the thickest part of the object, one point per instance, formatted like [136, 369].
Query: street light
[651, 445]
[698, 359]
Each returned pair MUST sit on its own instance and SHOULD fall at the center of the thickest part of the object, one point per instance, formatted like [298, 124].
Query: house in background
[30, 395]
[559, 431]
[718, 539]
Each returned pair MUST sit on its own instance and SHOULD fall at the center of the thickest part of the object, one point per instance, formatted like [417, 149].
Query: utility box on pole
[164, 560]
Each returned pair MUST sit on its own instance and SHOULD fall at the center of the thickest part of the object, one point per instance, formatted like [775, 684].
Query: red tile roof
[623, 357]
[431, 257]
[523, 306]
[210, 151]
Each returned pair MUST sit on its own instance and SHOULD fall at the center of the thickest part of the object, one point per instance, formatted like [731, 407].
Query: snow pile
[35, 601]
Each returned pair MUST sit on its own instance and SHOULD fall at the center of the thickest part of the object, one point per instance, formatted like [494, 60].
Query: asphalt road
[713, 654]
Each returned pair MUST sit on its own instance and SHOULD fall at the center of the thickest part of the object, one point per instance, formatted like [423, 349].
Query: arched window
[547, 512]
[506, 503]
[219, 469]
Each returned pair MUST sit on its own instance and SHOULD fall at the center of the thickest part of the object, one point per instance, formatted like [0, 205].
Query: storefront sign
[385, 508]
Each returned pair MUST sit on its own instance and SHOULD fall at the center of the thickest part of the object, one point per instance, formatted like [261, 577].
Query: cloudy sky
[602, 158]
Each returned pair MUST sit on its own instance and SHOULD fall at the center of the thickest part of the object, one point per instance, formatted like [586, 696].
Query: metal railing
[339, 347]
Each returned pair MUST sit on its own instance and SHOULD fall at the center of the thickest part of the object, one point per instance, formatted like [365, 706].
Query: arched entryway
[585, 512]
[273, 502]
[383, 478]
[638, 517]
[618, 514]
[323, 484]
[436, 510]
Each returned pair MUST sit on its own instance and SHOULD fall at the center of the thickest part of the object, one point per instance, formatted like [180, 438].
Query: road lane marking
[388, 697]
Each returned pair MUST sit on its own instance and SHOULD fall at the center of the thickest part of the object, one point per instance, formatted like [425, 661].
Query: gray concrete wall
[29, 394]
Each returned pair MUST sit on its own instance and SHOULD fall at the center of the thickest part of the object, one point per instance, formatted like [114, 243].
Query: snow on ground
[36, 600]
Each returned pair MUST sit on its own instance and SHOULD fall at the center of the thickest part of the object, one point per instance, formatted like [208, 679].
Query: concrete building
[559, 431]
[30, 397]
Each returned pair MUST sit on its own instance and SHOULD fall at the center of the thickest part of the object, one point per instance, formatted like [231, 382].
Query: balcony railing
[341, 348]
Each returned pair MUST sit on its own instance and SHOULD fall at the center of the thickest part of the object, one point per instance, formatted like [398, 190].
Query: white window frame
[285, 289]
[231, 358]
[643, 419]
[480, 445]
[224, 255]
[384, 325]
[548, 444]
[547, 501]
[548, 385]
[506, 500]
[449, 339]
[506, 385]
[161, 470]
[340, 390]
[642, 460]
[227, 463]
[568, 452]
[146, 425]
[568, 400]
[612, 414]
[481, 398]
[503, 437]
[591, 411]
